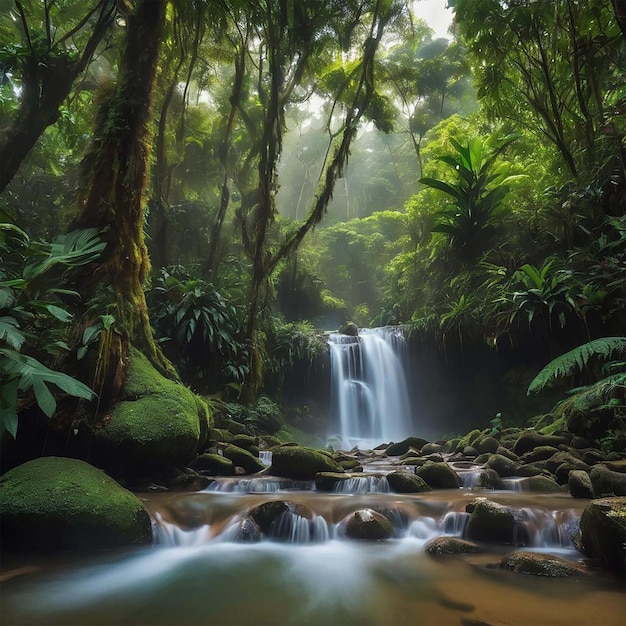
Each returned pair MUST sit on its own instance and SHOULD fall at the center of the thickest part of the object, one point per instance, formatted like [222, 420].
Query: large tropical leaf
[576, 360]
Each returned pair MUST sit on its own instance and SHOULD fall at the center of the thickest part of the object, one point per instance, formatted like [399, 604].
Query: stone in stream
[366, 524]
[450, 545]
[276, 518]
[214, 465]
[579, 484]
[489, 479]
[540, 453]
[606, 482]
[538, 564]
[603, 533]
[326, 481]
[486, 444]
[438, 475]
[491, 522]
[301, 463]
[542, 484]
[404, 482]
[242, 458]
[502, 465]
[565, 457]
[55, 503]
[397, 449]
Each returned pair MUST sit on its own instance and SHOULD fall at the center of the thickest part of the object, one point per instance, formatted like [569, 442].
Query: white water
[368, 387]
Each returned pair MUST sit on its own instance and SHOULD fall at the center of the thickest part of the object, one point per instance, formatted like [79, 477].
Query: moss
[450, 545]
[250, 463]
[403, 482]
[558, 425]
[490, 522]
[159, 422]
[58, 503]
[538, 564]
[367, 525]
[301, 463]
[438, 475]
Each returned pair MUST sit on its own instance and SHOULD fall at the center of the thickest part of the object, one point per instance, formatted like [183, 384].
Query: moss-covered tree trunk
[115, 171]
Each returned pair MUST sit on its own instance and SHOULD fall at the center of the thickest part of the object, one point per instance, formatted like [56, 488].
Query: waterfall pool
[198, 573]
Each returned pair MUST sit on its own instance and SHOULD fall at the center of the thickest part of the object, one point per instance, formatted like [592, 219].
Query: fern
[576, 360]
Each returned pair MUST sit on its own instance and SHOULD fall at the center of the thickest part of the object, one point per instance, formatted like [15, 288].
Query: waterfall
[368, 387]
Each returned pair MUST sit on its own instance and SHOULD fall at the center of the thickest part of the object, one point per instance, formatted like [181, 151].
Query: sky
[435, 14]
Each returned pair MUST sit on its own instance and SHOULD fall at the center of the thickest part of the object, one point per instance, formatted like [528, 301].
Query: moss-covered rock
[530, 440]
[558, 458]
[214, 465]
[349, 328]
[350, 464]
[431, 448]
[440, 546]
[242, 458]
[276, 517]
[438, 475]
[603, 533]
[486, 444]
[301, 463]
[532, 469]
[542, 484]
[502, 465]
[607, 482]
[401, 447]
[489, 479]
[579, 484]
[220, 434]
[326, 481]
[404, 482]
[55, 503]
[158, 423]
[469, 439]
[490, 521]
[247, 442]
[367, 525]
[537, 564]
[540, 453]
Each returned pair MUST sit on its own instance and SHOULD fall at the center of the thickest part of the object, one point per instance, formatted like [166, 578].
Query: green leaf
[8, 408]
[441, 186]
[61, 314]
[9, 333]
[45, 400]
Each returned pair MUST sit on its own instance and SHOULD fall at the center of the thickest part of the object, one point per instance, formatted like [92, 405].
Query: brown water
[198, 575]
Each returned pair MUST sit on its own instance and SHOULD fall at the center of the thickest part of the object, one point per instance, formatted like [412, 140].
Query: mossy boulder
[214, 465]
[541, 484]
[607, 482]
[489, 479]
[404, 482]
[349, 328]
[537, 564]
[558, 458]
[469, 439]
[431, 448]
[276, 518]
[55, 503]
[440, 546]
[367, 525]
[301, 463]
[532, 469]
[486, 444]
[326, 481]
[159, 423]
[247, 442]
[502, 465]
[603, 533]
[401, 447]
[489, 521]
[242, 458]
[438, 475]
[540, 453]
[350, 464]
[530, 440]
[579, 484]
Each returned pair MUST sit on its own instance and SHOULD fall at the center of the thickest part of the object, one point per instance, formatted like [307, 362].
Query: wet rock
[538, 564]
[490, 521]
[220, 434]
[487, 444]
[562, 472]
[482, 458]
[579, 484]
[248, 531]
[55, 503]
[564, 457]
[301, 463]
[404, 482]
[617, 465]
[606, 482]
[540, 453]
[529, 470]
[469, 439]
[350, 329]
[539, 484]
[189, 481]
[274, 517]
[489, 479]
[397, 449]
[438, 475]
[591, 457]
[366, 524]
[411, 452]
[451, 444]
[326, 481]
[470, 451]
[580, 443]
[213, 464]
[412, 460]
[247, 442]
[507, 453]
[603, 533]
[531, 440]
[431, 448]
[242, 458]
[503, 465]
[450, 545]
[435, 458]
[351, 465]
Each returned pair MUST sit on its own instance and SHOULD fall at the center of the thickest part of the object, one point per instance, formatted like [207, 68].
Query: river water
[199, 573]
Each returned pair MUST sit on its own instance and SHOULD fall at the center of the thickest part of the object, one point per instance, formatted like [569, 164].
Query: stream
[202, 571]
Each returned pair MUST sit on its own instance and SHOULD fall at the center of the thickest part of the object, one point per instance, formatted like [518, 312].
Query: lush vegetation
[221, 181]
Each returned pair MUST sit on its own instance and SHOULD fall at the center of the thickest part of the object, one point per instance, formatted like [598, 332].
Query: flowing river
[202, 571]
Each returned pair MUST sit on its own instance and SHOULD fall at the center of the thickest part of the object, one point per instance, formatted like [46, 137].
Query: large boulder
[404, 482]
[487, 444]
[438, 475]
[538, 564]
[579, 484]
[603, 533]
[366, 524]
[213, 465]
[489, 479]
[607, 482]
[159, 423]
[530, 440]
[541, 484]
[401, 447]
[55, 503]
[490, 521]
[242, 458]
[502, 465]
[301, 463]
[279, 519]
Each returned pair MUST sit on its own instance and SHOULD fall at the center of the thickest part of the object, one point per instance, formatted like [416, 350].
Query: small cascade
[263, 484]
[170, 535]
[550, 529]
[453, 523]
[368, 387]
[265, 457]
[469, 478]
[362, 484]
[424, 528]
[513, 484]
[295, 528]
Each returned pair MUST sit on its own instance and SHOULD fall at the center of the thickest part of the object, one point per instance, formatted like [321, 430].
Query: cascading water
[368, 387]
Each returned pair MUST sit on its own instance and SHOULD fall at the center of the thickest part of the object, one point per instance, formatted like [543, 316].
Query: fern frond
[576, 360]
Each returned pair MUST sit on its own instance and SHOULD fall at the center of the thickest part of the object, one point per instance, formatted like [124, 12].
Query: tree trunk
[115, 170]
[45, 87]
